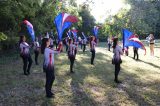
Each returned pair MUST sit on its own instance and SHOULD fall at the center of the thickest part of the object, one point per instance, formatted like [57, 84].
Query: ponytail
[115, 40]
[44, 44]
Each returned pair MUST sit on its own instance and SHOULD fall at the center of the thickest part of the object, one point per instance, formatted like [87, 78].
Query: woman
[151, 41]
[36, 50]
[25, 54]
[92, 49]
[71, 54]
[117, 50]
[48, 65]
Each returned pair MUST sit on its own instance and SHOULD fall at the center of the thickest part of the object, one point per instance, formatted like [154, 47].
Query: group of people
[47, 49]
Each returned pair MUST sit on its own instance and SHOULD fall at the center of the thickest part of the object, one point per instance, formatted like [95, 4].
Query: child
[25, 54]
[48, 65]
[72, 54]
[92, 48]
[36, 50]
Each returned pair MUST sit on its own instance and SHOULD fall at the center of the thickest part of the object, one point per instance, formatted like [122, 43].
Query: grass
[89, 86]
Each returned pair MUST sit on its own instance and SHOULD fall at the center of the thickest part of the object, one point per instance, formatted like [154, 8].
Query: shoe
[71, 71]
[49, 96]
[116, 81]
[25, 74]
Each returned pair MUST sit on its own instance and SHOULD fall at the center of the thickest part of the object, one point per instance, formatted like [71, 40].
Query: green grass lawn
[88, 86]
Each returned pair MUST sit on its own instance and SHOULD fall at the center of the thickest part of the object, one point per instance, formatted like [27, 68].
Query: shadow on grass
[80, 95]
[147, 63]
[132, 85]
[141, 92]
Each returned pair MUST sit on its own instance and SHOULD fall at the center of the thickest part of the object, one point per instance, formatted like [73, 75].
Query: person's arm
[120, 50]
[54, 51]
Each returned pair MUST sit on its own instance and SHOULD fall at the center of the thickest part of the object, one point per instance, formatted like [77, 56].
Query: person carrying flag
[48, 65]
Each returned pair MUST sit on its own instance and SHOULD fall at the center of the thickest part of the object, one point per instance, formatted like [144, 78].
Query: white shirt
[117, 52]
[24, 47]
[36, 45]
[72, 49]
[51, 41]
[49, 56]
[93, 43]
[84, 41]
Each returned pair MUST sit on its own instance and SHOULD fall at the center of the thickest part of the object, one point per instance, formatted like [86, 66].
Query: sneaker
[117, 81]
[72, 71]
[49, 96]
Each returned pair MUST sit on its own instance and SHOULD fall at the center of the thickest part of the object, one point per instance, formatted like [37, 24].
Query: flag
[74, 31]
[63, 21]
[129, 39]
[30, 29]
[84, 35]
[95, 31]
[126, 35]
[69, 33]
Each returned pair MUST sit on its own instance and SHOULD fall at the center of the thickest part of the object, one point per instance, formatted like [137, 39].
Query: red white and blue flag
[95, 31]
[69, 33]
[129, 39]
[62, 22]
[30, 29]
[84, 37]
[74, 31]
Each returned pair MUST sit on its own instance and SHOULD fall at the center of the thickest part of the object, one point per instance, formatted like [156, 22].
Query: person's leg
[109, 46]
[52, 79]
[36, 57]
[117, 69]
[152, 47]
[134, 54]
[137, 54]
[48, 82]
[84, 47]
[30, 63]
[93, 56]
[81, 45]
[24, 64]
[66, 47]
[71, 63]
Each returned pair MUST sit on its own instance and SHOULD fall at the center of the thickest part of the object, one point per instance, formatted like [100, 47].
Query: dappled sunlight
[89, 85]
